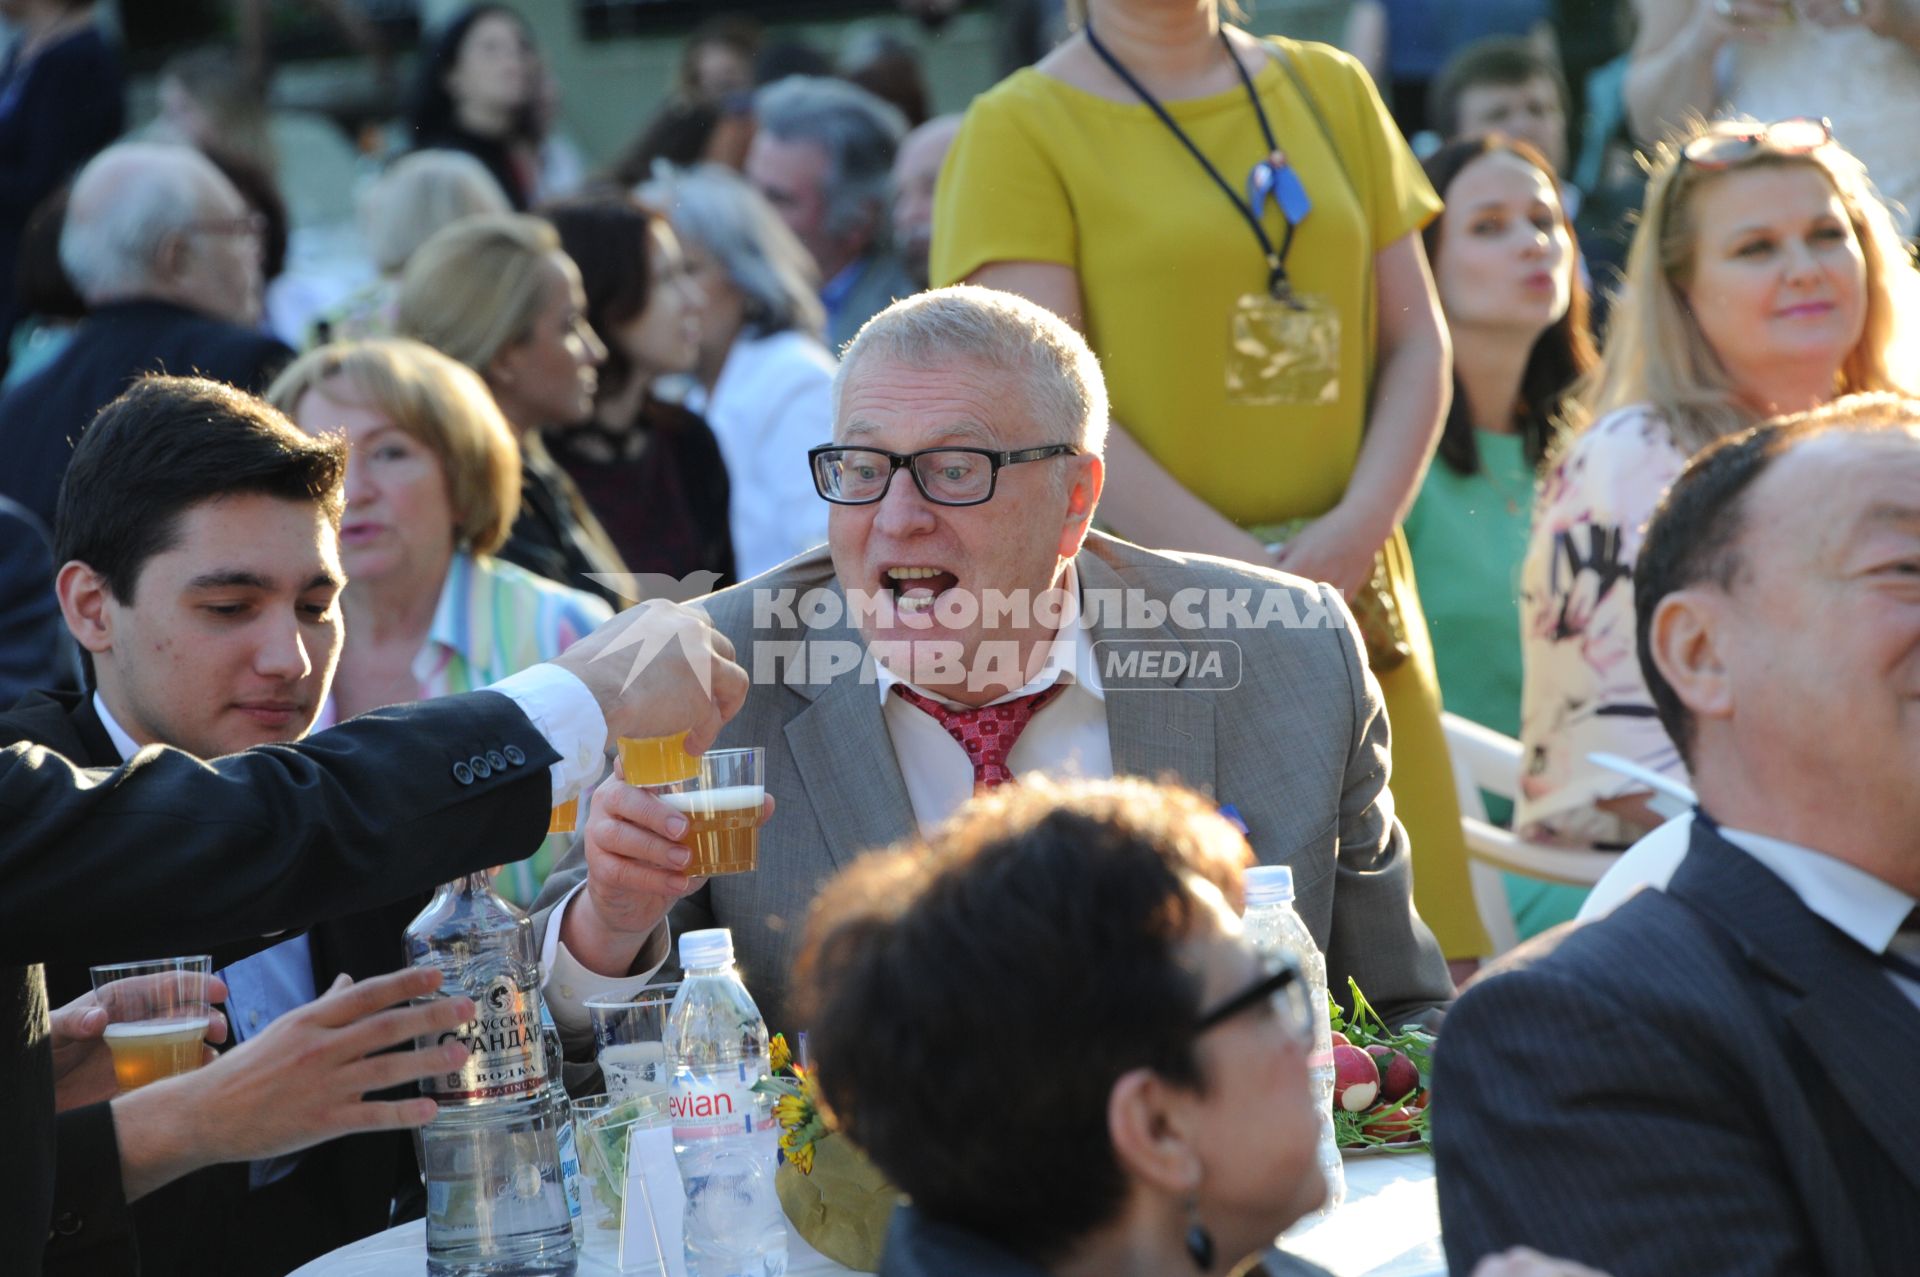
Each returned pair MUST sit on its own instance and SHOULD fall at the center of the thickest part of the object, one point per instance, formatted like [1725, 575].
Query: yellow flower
[803, 1159]
[780, 1055]
[792, 1112]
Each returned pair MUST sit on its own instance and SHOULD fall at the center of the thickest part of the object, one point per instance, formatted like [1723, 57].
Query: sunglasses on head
[1726, 147]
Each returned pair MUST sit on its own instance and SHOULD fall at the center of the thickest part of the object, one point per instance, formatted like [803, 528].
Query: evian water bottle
[1276, 929]
[723, 1131]
[496, 1199]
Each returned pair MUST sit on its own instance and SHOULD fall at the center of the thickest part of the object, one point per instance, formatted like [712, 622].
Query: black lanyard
[1276, 261]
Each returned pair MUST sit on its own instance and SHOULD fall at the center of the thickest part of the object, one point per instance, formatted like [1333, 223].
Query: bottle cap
[1268, 885]
[713, 948]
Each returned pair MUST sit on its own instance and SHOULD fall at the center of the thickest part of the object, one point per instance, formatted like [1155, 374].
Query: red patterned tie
[987, 733]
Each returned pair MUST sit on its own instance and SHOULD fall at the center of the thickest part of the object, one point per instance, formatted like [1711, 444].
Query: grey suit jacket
[1299, 748]
[1712, 1080]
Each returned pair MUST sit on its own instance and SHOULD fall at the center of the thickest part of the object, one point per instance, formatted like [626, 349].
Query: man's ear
[84, 600]
[170, 257]
[1147, 1122]
[1083, 498]
[1687, 642]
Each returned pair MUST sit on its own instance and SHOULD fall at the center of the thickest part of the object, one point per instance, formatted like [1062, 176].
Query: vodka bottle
[496, 1196]
[723, 1131]
[1276, 928]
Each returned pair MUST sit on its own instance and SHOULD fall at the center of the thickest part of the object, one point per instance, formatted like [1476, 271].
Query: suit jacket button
[515, 755]
[67, 1224]
[463, 773]
[497, 760]
[480, 769]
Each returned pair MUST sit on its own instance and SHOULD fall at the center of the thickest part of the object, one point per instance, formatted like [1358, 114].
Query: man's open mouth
[916, 587]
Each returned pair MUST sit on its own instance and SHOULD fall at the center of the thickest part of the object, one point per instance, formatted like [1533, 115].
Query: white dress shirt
[1067, 738]
[1853, 900]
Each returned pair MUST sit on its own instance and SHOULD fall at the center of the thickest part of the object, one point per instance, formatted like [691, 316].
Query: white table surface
[402, 1252]
[1389, 1226]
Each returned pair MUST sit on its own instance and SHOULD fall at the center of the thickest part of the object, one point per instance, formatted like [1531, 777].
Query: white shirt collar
[1070, 655]
[1852, 899]
[126, 744]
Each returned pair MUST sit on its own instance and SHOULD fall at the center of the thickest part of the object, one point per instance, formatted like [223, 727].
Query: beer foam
[703, 802]
[156, 1028]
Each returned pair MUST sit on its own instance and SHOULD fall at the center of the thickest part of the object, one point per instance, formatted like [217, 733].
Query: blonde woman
[416, 196]
[433, 480]
[499, 294]
[1765, 278]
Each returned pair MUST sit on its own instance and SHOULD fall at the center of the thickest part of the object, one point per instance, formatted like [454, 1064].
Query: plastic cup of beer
[157, 1016]
[630, 1041]
[657, 760]
[564, 817]
[722, 807]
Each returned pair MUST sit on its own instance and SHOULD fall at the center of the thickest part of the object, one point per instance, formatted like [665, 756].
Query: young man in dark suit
[200, 577]
[1715, 1078]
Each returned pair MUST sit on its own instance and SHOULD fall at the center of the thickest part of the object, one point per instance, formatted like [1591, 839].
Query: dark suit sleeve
[92, 1231]
[1377, 938]
[169, 854]
[1602, 1128]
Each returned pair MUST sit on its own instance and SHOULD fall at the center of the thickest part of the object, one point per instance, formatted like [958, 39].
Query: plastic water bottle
[1276, 929]
[563, 1122]
[724, 1135]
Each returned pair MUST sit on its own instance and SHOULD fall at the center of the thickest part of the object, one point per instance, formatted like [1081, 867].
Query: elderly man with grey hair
[823, 157]
[764, 378]
[166, 255]
[964, 626]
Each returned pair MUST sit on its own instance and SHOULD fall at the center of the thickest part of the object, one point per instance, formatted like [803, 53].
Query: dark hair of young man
[169, 444]
[1561, 355]
[1066, 907]
[1496, 60]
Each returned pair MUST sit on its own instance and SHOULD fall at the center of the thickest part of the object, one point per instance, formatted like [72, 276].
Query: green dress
[1468, 534]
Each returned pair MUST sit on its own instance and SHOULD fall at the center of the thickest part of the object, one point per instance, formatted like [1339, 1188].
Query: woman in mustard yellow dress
[1234, 224]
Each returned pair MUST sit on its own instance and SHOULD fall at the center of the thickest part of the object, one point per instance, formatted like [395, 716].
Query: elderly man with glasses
[965, 626]
[166, 254]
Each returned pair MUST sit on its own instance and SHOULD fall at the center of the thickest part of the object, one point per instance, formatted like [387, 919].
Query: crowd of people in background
[1428, 304]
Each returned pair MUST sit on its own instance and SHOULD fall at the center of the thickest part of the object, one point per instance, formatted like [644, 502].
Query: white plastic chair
[1484, 759]
[1651, 861]
[1670, 797]
[1648, 863]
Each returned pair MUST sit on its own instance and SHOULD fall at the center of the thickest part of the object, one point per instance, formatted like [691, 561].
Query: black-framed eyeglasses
[1726, 146]
[1280, 987]
[945, 476]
